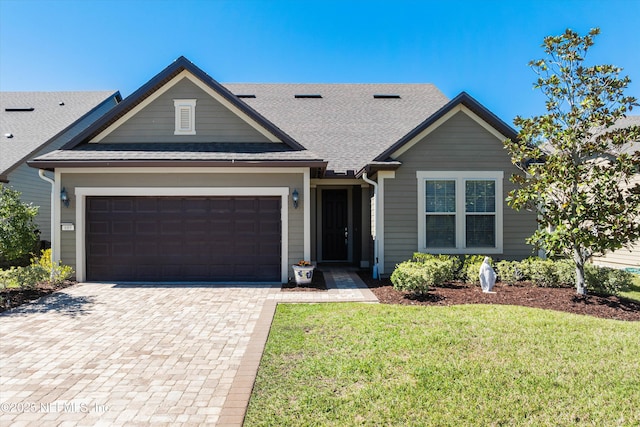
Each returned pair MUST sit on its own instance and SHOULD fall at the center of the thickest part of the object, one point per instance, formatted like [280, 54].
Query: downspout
[366, 179]
[53, 183]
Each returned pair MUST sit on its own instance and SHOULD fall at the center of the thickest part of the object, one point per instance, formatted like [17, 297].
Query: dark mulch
[526, 294]
[10, 298]
[317, 284]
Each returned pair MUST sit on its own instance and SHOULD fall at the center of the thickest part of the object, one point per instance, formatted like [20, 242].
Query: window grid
[464, 221]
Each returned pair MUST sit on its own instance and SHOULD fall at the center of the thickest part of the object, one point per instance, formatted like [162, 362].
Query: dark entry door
[335, 231]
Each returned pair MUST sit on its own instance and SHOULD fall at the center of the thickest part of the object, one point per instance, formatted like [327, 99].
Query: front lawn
[357, 364]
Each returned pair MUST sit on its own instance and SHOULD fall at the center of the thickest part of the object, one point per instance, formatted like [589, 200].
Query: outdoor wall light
[64, 197]
[295, 197]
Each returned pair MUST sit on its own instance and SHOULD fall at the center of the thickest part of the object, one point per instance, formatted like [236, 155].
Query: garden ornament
[487, 276]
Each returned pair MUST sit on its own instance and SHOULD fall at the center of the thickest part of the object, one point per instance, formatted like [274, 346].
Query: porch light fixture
[64, 197]
[295, 197]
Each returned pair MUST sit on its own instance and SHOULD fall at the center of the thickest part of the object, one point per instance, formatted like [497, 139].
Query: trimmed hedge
[425, 270]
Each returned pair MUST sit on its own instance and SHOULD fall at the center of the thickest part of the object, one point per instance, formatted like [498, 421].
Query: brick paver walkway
[100, 354]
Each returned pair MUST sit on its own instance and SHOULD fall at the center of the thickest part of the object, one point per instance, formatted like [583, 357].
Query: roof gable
[174, 74]
[461, 103]
[153, 120]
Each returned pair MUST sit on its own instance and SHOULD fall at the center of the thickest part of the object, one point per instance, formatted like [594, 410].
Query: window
[460, 212]
[185, 110]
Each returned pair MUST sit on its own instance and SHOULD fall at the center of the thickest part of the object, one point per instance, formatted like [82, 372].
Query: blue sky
[481, 47]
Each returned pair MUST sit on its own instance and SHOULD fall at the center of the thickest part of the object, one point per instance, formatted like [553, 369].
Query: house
[627, 257]
[34, 123]
[191, 180]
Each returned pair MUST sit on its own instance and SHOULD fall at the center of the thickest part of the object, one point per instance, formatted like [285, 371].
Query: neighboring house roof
[351, 123]
[34, 118]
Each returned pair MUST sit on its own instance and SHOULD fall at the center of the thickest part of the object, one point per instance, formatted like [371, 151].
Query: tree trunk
[581, 287]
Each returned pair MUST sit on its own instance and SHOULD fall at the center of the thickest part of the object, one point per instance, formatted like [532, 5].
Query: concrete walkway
[104, 354]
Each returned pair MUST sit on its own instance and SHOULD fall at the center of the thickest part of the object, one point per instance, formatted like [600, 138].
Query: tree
[576, 172]
[18, 231]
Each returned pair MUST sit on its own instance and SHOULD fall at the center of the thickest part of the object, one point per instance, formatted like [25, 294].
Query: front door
[335, 225]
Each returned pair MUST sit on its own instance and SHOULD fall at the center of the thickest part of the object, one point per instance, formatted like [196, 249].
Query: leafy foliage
[417, 277]
[470, 272]
[18, 231]
[607, 280]
[547, 272]
[576, 172]
[509, 272]
[40, 270]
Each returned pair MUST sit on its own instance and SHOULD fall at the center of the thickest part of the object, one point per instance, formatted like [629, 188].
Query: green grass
[634, 292]
[357, 364]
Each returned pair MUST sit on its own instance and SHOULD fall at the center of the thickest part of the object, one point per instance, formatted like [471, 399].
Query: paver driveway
[101, 354]
[122, 354]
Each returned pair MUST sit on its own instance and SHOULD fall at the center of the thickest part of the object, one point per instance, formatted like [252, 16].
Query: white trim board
[81, 194]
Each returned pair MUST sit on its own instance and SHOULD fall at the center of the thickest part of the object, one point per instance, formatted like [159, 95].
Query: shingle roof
[346, 126]
[31, 129]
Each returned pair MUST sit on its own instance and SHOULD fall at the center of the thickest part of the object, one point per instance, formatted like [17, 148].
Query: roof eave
[375, 167]
[53, 164]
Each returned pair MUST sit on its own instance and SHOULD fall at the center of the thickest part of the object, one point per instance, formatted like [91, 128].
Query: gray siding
[460, 144]
[37, 191]
[622, 258]
[156, 122]
[73, 180]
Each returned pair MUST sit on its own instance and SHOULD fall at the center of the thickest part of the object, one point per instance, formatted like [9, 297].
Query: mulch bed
[10, 298]
[526, 294]
[317, 284]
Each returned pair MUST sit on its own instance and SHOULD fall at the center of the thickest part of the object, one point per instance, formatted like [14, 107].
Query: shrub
[565, 272]
[410, 276]
[40, 270]
[509, 272]
[450, 263]
[470, 271]
[607, 280]
[549, 273]
[18, 231]
[417, 277]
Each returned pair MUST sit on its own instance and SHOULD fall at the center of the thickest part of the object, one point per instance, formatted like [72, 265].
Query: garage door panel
[122, 205]
[183, 238]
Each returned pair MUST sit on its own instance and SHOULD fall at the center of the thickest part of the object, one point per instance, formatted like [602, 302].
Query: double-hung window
[460, 212]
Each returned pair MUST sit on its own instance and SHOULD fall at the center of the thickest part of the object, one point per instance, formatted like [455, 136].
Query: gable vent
[386, 96]
[245, 96]
[19, 109]
[185, 111]
[312, 96]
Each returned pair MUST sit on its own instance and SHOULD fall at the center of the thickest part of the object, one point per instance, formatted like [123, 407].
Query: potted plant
[303, 272]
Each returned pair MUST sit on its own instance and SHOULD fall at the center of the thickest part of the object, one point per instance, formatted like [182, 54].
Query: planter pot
[303, 275]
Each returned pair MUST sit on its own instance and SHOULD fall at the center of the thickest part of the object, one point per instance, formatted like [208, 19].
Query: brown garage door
[183, 239]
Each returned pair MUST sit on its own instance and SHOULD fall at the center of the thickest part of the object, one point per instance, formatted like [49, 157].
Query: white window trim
[460, 177]
[180, 105]
[81, 194]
